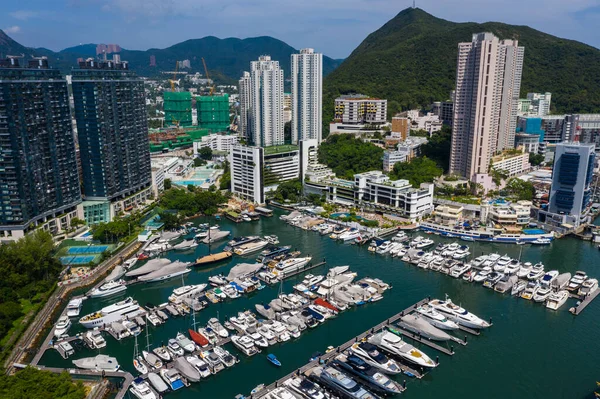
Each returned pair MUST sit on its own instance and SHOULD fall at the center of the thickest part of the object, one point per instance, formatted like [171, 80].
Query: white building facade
[246, 173]
[265, 115]
[217, 142]
[244, 129]
[307, 96]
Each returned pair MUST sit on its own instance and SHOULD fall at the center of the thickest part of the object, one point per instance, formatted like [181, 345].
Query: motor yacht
[370, 375]
[548, 278]
[435, 318]
[505, 283]
[109, 314]
[109, 288]
[141, 389]
[256, 337]
[557, 299]
[152, 360]
[461, 253]
[245, 344]
[74, 307]
[384, 248]
[370, 354]
[518, 287]
[425, 261]
[424, 243]
[524, 270]
[280, 331]
[62, 326]
[185, 343]
[186, 369]
[338, 381]
[513, 267]
[162, 353]
[305, 388]
[492, 279]
[289, 266]
[226, 357]
[153, 319]
[213, 360]
[587, 287]
[133, 329]
[401, 236]
[174, 347]
[458, 314]
[536, 272]
[421, 326]
[459, 269]
[200, 365]
[172, 378]
[530, 290]
[250, 248]
[217, 327]
[394, 345]
[98, 363]
[501, 264]
[186, 291]
[349, 235]
[94, 339]
[576, 281]
[542, 294]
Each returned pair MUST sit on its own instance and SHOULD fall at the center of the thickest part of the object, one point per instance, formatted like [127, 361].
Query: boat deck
[309, 266]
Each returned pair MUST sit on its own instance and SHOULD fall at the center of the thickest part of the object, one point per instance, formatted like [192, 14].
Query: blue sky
[334, 27]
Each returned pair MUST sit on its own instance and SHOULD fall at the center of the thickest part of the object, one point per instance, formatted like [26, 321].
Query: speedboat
[141, 389]
[163, 353]
[435, 318]
[370, 354]
[110, 288]
[576, 281]
[245, 344]
[458, 314]
[394, 345]
[62, 326]
[557, 299]
[530, 290]
[542, 241]
[273, 359]
[357, 367]
[587, 287]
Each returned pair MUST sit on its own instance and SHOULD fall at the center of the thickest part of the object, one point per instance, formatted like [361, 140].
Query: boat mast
[147, 337]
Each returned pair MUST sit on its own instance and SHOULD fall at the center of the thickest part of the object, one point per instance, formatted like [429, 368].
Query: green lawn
[463, 199]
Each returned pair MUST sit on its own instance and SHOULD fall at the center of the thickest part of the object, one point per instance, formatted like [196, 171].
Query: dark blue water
[530, 352]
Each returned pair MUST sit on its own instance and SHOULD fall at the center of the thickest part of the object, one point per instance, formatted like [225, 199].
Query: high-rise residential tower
[307, 95]
[488, 80]
[39, 182]
[265, 114]
[112, 129]
[244, 129]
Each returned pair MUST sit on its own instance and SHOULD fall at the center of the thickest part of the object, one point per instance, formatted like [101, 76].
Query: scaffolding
[213, 112]
[178, 108]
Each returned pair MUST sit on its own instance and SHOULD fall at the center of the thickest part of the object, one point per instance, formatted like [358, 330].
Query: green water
[530, 352]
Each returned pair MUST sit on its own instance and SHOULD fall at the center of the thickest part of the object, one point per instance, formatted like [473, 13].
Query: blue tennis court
[77, 260]
[92, 249]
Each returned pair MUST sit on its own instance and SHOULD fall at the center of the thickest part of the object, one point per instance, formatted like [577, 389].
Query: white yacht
[557, 299]
[458, 314]
[395, 345]
[107, 315]
[524, 270]
[292, 265]
[185, 343]
[501, 264]
[512, 268]
[530, 290]
[157, 383]
[94, 339]
[461, 253]
[267, 334]
[174, 347]
[536, 272]
[163, 353]
[542, 294]
[371, 355]
[62, 326]
[199, 364]
[518, 287]
[250, 248]
[74, 307]
[186, 291]
[217, 327]
[460, 269]
[97, 363]
[588, 287]
[549, 277]
[424, 243]
[245, 344]
[349, 235]
[141, 389]
[576, 281]
[384, 248]
[435, 318]
[110, 288]
[152, 359]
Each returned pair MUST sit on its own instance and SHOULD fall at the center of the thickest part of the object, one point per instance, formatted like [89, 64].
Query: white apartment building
[513, 164]
[390, 158]
[244, 129]
[359, 109]
[246, 173]
[488, 81]
[512, 214]
[539, 103]
[265, 114]
[217, 142]
[307, 95]
[158, 176]
[429, 122]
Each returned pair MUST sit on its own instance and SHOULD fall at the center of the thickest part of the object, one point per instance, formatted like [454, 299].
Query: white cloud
[11, 30]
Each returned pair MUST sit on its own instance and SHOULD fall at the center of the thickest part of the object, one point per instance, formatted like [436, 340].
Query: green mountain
[225, 58]
[411, 61]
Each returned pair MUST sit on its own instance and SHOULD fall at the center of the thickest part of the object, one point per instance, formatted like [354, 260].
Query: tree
[347, 155]
[535, 159]
[225, 181]
[199, 162]
[76, 222]
[519, 189]
[167, 184]
[191, 188]
[315, 199]
[171, 220]
[437, 147]
[417, 171]
[205, 153]
[289, 190]
[33, 383]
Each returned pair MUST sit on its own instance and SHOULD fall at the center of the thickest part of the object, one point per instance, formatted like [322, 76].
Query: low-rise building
[448, 215]
[429, 122]
[217, 142]
[512, 163]
[390, 158]
[509, 214]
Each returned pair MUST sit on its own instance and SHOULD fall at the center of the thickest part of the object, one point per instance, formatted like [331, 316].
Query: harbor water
[529, 352]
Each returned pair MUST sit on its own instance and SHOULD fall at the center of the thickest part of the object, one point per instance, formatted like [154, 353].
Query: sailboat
[196, 336]
[150, 357]
[137, 359]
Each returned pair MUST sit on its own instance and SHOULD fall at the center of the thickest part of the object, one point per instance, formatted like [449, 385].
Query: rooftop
[276, 149]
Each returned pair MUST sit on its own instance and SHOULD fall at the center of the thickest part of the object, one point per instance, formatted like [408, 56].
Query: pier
[381, 326]
[576, 310]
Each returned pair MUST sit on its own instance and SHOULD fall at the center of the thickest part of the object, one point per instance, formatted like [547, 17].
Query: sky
[333, 27]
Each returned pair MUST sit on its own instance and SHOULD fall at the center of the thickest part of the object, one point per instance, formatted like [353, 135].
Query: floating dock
[576, 310]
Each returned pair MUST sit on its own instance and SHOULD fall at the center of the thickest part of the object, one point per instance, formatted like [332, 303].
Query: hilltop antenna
[414, 4]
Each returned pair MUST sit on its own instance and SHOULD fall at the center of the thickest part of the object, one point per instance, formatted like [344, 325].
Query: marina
[410, 284]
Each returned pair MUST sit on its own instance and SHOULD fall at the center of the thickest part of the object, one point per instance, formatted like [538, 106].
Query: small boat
[163, 353]
[157, 383]
[217, 280]
[542, 241]
[152, 360]
[141, 389]
[172, 378]
[271, 357]
[198, 338]
[185, 343]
